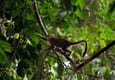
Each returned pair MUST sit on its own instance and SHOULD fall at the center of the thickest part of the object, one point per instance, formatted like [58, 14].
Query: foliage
[23, 54]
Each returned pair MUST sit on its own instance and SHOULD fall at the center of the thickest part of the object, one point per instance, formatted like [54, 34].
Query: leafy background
[23, 55]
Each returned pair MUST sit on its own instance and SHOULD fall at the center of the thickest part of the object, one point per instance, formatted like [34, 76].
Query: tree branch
[38, 17]
[94, 56]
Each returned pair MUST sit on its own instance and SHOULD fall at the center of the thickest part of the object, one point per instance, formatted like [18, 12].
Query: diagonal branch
[37, 13]
[94, 56]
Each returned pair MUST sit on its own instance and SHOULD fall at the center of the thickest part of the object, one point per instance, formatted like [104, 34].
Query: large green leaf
[4, 47]
[3, 57]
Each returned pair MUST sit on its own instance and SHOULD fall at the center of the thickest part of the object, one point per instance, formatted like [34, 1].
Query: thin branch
[37, 13]
[16, 47]
[94, 56]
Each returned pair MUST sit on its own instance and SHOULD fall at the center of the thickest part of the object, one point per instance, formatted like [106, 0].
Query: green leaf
[79, 76]
[33, 38]
[5, 46]
[3, 57]
[78, 13]
[81, 3]
[103, 69]
[30, 17]
[60, 69]
[16, 35]
[102, 42]
[103, 35]
[109, 33]
[74, 2]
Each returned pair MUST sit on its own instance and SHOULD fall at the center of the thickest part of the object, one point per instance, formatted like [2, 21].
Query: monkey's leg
[66, 51]
[68, 58]
[65, 55]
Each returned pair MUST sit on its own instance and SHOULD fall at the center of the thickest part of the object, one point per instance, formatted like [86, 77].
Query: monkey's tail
[82, 41]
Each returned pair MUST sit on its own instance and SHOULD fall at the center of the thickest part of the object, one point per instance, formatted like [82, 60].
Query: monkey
[62, 44]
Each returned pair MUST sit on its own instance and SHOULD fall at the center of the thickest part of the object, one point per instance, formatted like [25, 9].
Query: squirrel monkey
[62, 44]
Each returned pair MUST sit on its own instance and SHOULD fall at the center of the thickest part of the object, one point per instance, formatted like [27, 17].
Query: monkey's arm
[43, 37]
